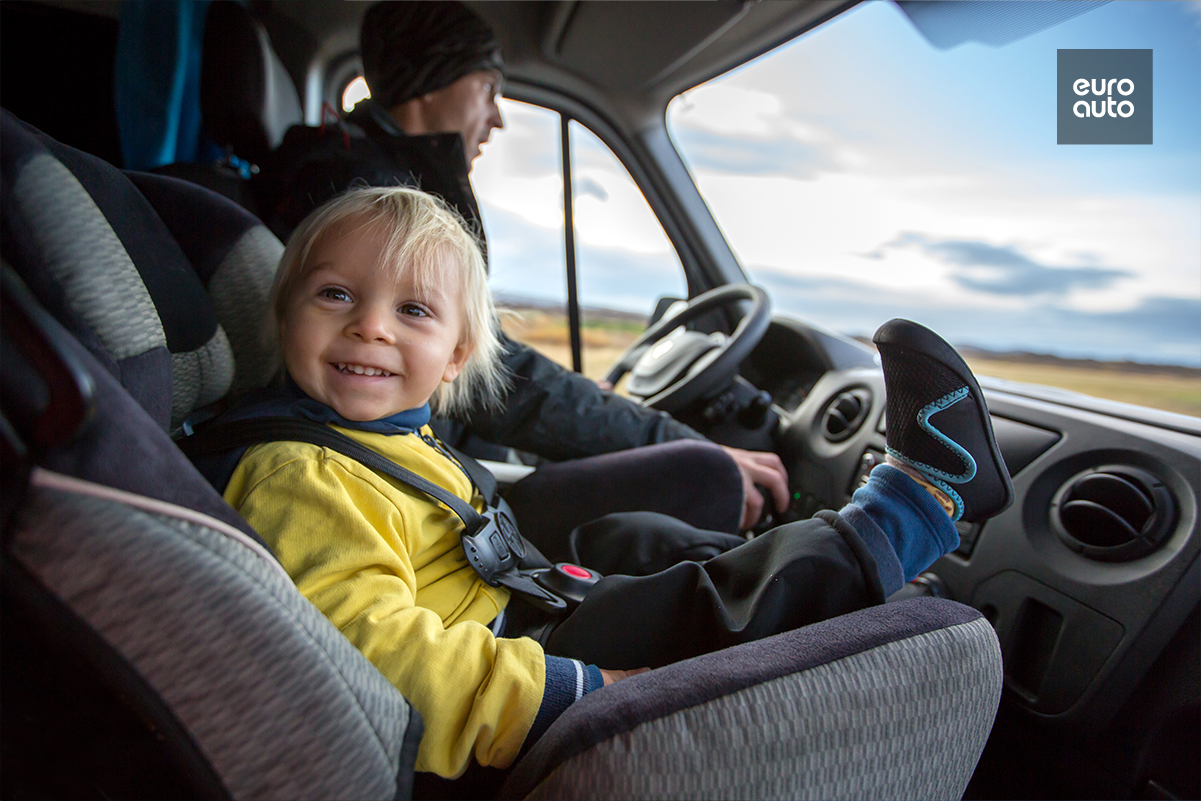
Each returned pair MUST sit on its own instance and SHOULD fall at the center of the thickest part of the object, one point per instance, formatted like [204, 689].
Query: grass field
[546, 332]
[1167, 388]
[1173, 389]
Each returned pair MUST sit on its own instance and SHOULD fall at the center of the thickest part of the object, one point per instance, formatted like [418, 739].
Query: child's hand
[611, 676]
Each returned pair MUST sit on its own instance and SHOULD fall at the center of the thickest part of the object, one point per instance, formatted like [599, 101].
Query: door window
[622, 259]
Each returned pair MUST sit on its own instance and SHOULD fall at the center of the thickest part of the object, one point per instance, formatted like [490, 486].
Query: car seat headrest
[247, 98]
[164, 282]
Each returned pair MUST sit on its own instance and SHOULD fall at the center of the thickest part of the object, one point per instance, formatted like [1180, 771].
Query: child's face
[363, 344]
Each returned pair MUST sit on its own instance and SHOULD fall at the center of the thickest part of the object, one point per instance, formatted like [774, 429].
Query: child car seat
[162, 601]
[152, 646]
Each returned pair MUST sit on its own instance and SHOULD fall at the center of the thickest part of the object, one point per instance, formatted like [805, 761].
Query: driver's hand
[766, 470]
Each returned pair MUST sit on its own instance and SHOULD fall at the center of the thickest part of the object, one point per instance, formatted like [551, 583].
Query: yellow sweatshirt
[383, 562]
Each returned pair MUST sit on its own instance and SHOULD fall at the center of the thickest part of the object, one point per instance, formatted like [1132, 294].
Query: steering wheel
[670, 366]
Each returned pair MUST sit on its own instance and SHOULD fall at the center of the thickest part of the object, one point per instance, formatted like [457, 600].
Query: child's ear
[458, 358]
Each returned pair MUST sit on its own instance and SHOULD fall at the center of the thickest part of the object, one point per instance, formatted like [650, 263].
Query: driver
[435, 72]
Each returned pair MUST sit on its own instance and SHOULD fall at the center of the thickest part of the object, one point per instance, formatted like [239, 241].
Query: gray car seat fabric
[301, 714]
[129, 451]
[211, 638]
[103, 259]
[889, 702]
[234, 255]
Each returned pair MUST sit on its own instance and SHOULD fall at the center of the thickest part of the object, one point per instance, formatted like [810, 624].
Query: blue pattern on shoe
[940, 478]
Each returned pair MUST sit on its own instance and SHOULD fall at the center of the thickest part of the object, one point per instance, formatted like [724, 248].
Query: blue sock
[901, 523]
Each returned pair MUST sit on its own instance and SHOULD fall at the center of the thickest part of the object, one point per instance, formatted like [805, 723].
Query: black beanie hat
[412, 48]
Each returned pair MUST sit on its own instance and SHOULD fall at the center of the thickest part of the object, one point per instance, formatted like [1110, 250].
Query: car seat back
[892, 701]
[247, 98]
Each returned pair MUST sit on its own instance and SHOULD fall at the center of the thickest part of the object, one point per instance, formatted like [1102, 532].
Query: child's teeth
[358, 369]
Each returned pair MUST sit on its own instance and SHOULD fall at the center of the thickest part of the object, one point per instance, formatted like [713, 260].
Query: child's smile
[363, 342]
[359, 369]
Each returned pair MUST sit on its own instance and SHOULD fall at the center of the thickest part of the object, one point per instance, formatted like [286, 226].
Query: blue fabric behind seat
[157, 83]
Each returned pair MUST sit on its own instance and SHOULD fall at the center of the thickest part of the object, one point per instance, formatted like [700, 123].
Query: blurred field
[1168, 388]
[1173, 389]
[602, 340]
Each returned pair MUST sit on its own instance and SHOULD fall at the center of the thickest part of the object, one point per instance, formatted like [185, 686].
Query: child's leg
[693, 481]
[804, 572]
[943, 462]
[902, 524]
[643, 550]
[791, 576]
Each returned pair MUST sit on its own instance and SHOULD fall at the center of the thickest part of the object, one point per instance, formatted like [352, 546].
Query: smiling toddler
[383, 311]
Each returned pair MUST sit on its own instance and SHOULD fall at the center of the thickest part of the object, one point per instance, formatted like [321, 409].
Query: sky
[861, 174]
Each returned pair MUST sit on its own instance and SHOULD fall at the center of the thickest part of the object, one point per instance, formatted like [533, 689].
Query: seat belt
[491, 541]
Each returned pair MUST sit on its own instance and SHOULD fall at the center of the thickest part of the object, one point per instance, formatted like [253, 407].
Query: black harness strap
[491, 540]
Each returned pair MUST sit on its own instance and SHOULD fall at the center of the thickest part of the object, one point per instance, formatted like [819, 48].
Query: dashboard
[1089, 574]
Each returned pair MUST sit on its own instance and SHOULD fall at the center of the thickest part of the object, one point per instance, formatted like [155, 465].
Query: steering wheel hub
[670, 366]
[664, 362]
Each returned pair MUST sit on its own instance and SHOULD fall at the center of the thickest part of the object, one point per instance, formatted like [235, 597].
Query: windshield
[861, 173]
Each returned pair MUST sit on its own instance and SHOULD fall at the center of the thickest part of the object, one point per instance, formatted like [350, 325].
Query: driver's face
[468, 106]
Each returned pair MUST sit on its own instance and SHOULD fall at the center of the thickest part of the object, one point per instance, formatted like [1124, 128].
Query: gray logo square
[1104, 97]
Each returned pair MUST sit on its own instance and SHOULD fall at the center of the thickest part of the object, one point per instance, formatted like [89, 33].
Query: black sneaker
[938, 422]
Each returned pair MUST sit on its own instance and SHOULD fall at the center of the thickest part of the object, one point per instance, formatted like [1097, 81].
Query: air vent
[845, 414]
[1114, 513]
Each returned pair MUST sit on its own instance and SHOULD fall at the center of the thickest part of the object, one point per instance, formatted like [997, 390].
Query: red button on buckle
[573, 570]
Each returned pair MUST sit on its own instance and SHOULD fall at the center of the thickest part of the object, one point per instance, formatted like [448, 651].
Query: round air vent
[845, 414]
[1114, 513]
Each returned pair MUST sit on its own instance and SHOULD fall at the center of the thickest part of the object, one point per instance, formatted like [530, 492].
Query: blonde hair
[425, 240]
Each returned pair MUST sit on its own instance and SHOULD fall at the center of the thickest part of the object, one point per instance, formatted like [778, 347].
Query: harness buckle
[495, 547]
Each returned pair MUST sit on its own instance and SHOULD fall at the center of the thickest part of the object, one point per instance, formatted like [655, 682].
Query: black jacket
[549, 411]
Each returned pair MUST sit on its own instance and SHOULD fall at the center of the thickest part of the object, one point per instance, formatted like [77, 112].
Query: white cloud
[824, 226]
[519, 173]
[518, 168]
[732, 110]
[620, 219]
[1194, 8]
[538, 200]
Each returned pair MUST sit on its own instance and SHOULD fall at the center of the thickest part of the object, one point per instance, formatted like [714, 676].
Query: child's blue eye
[334, 293]
[413, 310]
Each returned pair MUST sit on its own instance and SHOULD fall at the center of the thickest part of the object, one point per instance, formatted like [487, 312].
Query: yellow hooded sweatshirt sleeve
[383, 562]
